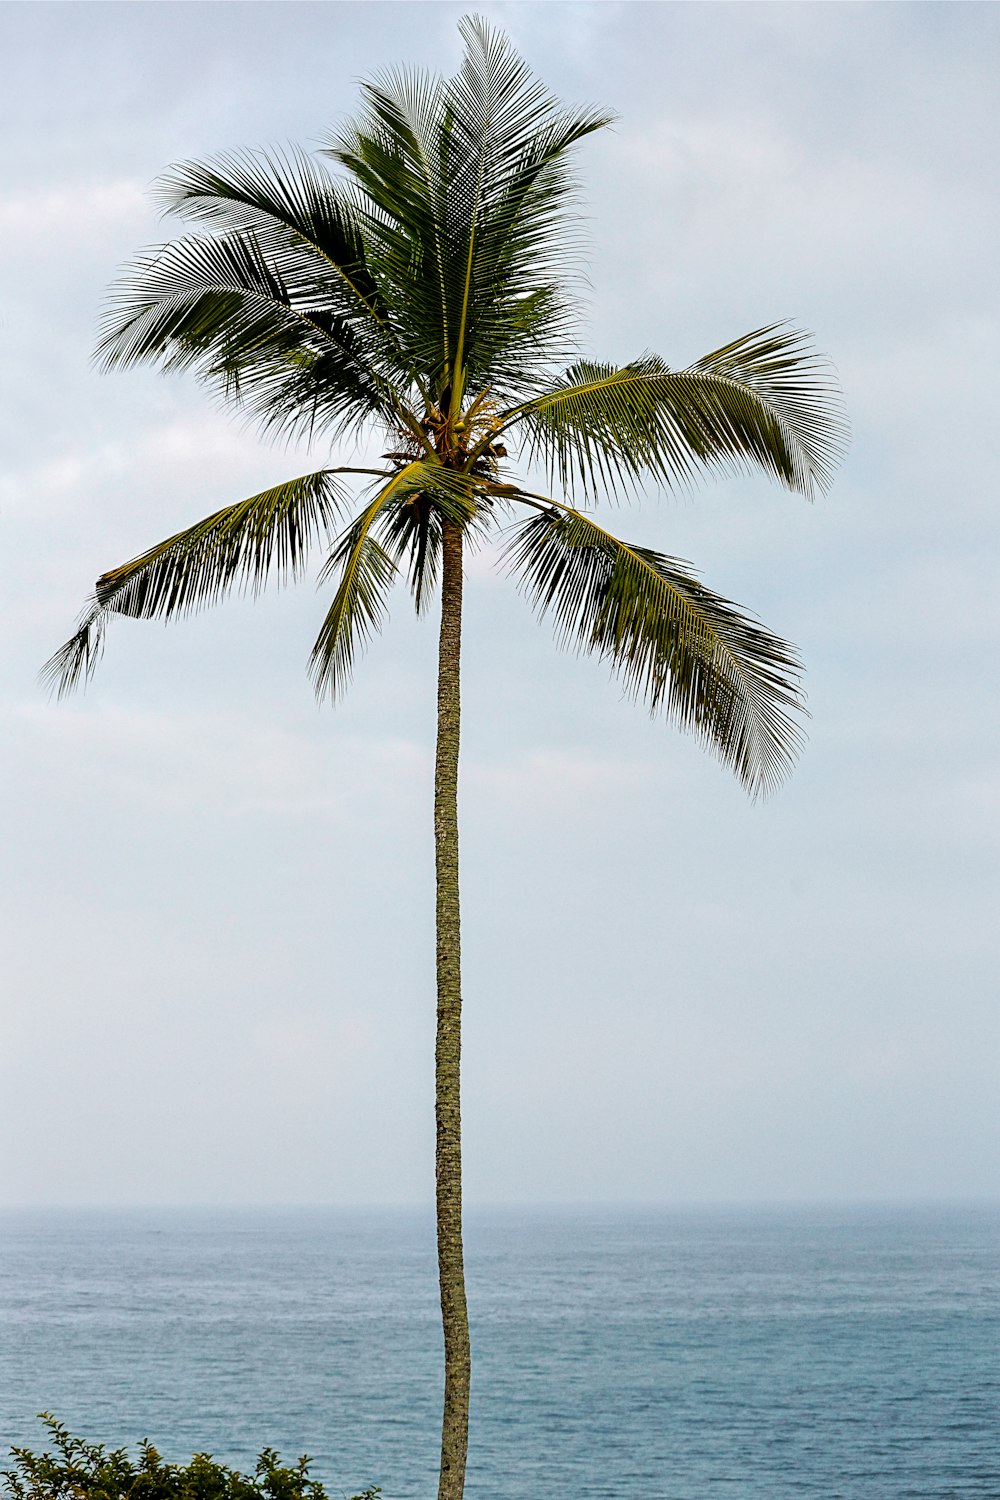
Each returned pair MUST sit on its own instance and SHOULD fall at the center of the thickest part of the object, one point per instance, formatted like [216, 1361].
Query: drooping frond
[359, 605]
[779, 365]
[269, 534]
[764, 402]
[710, 667]
[413, 530]
[367, 570]
[413, 538]
[76, 660]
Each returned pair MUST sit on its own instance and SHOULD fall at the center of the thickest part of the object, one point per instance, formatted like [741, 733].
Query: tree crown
[419, 285]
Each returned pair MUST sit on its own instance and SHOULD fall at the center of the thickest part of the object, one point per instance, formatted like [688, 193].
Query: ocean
[836, 1353]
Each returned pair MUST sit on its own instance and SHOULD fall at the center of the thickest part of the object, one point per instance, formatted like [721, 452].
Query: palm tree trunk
[447, 1056]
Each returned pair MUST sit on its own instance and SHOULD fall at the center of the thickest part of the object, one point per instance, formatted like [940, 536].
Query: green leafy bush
[76, 1470]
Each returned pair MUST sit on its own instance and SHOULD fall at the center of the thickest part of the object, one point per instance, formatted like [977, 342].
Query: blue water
[848, 1354]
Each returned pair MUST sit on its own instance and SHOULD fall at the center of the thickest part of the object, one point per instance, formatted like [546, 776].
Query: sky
[217, 895]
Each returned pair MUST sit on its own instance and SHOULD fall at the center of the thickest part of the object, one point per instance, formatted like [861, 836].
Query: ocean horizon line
[503, 1206]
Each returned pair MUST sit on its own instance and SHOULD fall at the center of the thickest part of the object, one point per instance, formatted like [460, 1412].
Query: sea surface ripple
[823, 1353]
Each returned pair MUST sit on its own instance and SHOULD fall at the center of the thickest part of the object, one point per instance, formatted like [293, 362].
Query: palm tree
[420, 292]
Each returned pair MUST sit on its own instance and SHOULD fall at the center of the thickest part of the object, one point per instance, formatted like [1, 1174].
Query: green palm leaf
[711, 667]
[409, 509]
[465, 184]
[253, 327]
[359, 605]
[393, 157]
[508, 199]
[269, 534]
[779, 367]
[294, 210]
[765, 401]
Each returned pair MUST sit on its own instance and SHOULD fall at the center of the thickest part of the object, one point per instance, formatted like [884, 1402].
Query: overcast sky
[217, 897]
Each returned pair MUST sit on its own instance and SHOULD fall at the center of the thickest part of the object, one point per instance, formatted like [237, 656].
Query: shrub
[76, 1470]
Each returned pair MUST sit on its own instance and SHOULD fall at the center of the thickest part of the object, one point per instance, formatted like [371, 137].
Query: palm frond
[508, 199]
[359, 604]
[76, 660]
[412, 534]
[779, 365]
[391, 155]
[765, 402]
[465, 186]
[289, 204]
[307, 222]
[413, 529]
[367, 569]
[253, 326]
[709, 666]
[241, 545]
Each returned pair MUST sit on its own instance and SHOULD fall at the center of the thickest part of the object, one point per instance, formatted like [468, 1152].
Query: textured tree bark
[447, 1056]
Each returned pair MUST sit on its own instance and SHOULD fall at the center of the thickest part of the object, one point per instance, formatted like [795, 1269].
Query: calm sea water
[848, 1354]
